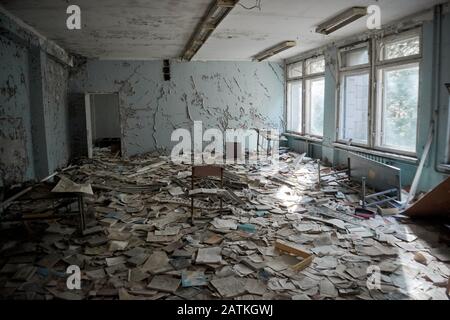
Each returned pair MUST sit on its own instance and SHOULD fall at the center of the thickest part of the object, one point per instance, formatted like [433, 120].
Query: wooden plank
[303, 264]
[434, 203]
[294, 250]
[284, 246]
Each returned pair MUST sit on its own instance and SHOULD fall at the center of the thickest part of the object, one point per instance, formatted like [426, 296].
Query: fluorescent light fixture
[341, 20]
[217, 11]
[274, 50]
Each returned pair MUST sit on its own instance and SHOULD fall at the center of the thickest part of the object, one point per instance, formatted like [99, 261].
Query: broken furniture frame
[335, 173]
[293, 250]
[202, 172]
[268, 136]
[377, 175]
[70, 197]
[391, 194]
[17, 197]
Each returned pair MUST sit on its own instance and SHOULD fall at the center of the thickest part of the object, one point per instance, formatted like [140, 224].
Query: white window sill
[301, 137]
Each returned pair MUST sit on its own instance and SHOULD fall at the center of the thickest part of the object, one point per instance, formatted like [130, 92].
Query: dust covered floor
[139, 242]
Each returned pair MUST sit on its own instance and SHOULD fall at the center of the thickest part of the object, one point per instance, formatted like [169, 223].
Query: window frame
[307, 107]
[303, 79]
[288, 99]
[289, 78]
[381, 42]
[354, 70]
[379, 130]
[354, 47]
[376, 64]
[379, 65]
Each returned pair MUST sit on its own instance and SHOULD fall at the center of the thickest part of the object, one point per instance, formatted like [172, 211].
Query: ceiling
[156, 29]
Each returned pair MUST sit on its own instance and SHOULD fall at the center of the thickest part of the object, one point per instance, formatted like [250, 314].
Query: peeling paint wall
[221, 94]
[34, 139]
[56, 113]
[16, 156]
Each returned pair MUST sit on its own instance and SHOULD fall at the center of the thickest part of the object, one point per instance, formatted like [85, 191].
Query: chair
[202, 172]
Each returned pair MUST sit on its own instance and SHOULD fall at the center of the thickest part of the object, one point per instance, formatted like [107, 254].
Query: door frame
[87, 100]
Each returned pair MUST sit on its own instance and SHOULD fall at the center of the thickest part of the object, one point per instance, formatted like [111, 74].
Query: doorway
[104, 130]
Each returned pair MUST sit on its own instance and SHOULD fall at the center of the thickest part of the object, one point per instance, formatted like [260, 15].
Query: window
[354, 112]
[305, 96]
[294, 116]
[315, 65]
[354, 56]
[381, 116]
[398, 48]
[398, 99]
[397, 96]
[315, 91]
[295, 70]
[354, 94]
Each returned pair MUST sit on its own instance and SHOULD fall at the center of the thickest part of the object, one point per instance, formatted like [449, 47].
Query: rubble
[278, 237]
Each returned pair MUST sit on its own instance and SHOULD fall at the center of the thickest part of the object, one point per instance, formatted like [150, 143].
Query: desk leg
[363, 183]
[257, 145]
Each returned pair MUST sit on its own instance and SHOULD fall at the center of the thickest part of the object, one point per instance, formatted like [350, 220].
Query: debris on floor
[278, 237]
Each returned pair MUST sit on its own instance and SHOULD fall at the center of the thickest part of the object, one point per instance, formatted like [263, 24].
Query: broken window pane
[295, 70]
[354, 107]
[294, 109]
[315, 65]
[315, 105]
[402, 48]
[399, 102]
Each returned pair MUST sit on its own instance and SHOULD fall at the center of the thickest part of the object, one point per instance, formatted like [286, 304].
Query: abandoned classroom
[225, 149]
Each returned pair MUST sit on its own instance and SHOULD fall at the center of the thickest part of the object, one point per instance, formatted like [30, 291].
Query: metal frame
[341, 19]
[389, 193]
[216, 12]
[274, 50]
[79, 198]
[393, 194]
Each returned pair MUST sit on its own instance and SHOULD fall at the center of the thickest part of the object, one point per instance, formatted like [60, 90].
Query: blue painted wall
[34, 139]
[16, 156]
[221, 94]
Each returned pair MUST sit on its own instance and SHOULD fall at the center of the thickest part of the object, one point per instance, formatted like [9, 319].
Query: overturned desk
[384, 179]
[46, 201]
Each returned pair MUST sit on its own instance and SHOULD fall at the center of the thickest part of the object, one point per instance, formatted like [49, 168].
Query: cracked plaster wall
[221, 94]
[16, 156]
[34, 138]
[56, 113]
